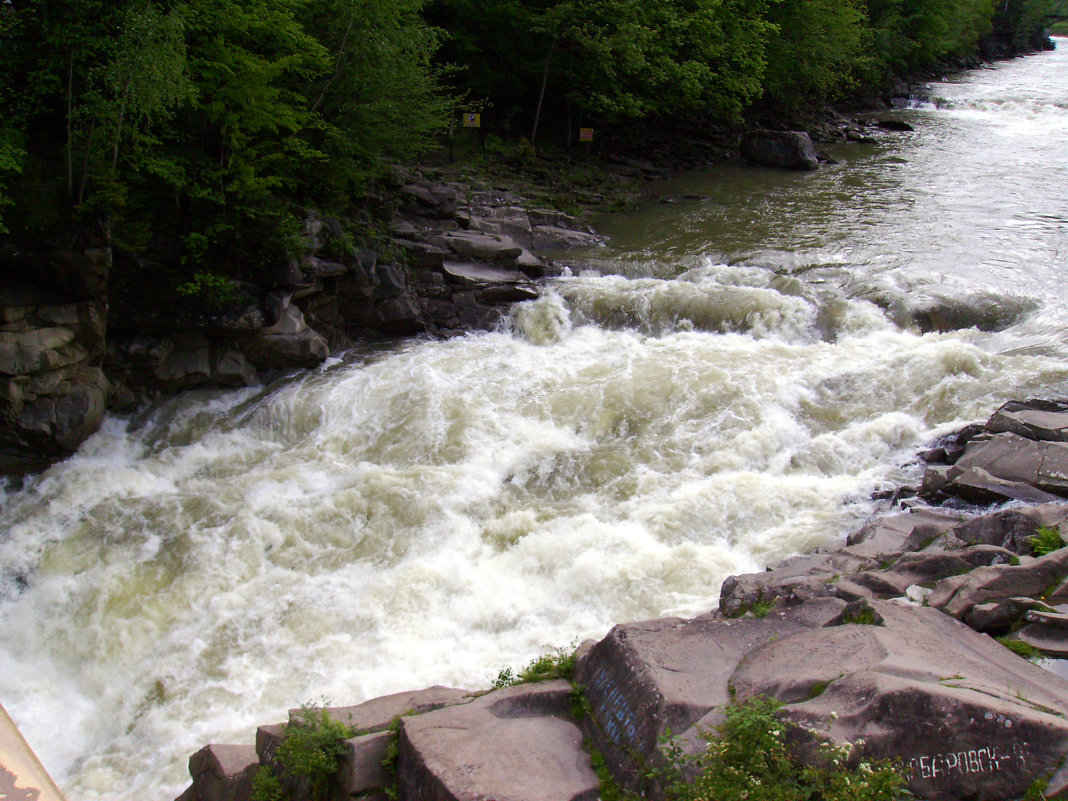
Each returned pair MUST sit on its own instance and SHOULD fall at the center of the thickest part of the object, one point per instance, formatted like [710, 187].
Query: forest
[203, 129]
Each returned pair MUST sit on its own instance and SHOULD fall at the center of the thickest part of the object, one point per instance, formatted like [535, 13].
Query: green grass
[1021, 648]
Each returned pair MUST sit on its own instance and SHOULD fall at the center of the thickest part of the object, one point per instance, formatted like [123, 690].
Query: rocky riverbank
[884, 644]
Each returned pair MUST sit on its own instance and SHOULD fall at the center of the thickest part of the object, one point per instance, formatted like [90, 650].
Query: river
[724, 385]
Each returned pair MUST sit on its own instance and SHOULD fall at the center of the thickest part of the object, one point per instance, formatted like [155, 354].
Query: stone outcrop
[53, 393]
[791, 150]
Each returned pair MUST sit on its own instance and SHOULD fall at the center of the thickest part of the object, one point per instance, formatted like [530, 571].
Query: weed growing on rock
[560, 664]
[311, 749]
[1046, 540]
[749, 759]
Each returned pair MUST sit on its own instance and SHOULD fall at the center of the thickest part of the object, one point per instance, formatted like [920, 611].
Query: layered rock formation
[883, 644]
[53, 317]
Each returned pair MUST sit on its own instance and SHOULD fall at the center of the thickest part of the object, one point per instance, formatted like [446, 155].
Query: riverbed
[753, 355]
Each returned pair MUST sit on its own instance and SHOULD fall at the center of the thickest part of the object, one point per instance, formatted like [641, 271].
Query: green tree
[817, 51]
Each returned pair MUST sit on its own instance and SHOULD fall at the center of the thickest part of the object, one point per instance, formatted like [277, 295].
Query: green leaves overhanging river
[725, 385]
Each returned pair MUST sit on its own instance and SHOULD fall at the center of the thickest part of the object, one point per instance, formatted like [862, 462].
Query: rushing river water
[725, 385]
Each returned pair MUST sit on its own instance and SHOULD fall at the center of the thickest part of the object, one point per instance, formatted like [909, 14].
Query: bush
[749, 759]
[311, 749]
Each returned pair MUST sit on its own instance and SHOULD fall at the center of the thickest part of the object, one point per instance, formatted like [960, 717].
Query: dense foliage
[202, 128]
[204, 122]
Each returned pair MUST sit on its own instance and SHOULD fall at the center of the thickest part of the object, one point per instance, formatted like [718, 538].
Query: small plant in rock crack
[1047, 539]
[560, 664]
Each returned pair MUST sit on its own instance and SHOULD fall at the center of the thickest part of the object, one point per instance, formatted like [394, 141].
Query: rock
[552, 237]
[317, 268]
[430, 199]
[901, 532]
[478, 273]
[362, 767]
[1012, 528]
[1033, 419]
[644, 678]
[967, 717]
[894, 125]
[1014, 458]
[281, 351]
[491, 248]
[377, 714]
[223, 772]
[514, 744]
[399, 316]
[957, 595]
[812, 575]
[422, 254]
[998, 617]
[390, 281]
[791, 150]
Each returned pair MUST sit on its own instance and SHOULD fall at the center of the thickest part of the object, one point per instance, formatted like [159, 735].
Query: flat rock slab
[515, 744]
[1034, 419]
[1013, 458]
[480, 273]
[378, 713]
[966, 716]
[645, 678]
[482, 247]
[896, 533]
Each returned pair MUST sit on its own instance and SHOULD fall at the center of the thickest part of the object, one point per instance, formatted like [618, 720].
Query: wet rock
[1005, 467]
[795, 580]
[422, 254]
[791, 150]
[552, 238]
[894, 125]
[515, 744]
[223, 772]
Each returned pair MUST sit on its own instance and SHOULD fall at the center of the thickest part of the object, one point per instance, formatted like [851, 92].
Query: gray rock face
[792, 150]
[515, 744]
[644, 678]
[52, 390]
[223, 772]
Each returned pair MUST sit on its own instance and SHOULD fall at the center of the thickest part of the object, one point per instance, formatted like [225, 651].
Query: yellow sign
[472, 120]
[585, 134]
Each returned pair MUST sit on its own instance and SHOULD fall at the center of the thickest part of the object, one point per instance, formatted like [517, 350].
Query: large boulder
[792, 150]
[514, 744]
[646, 678]
[965, 716]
